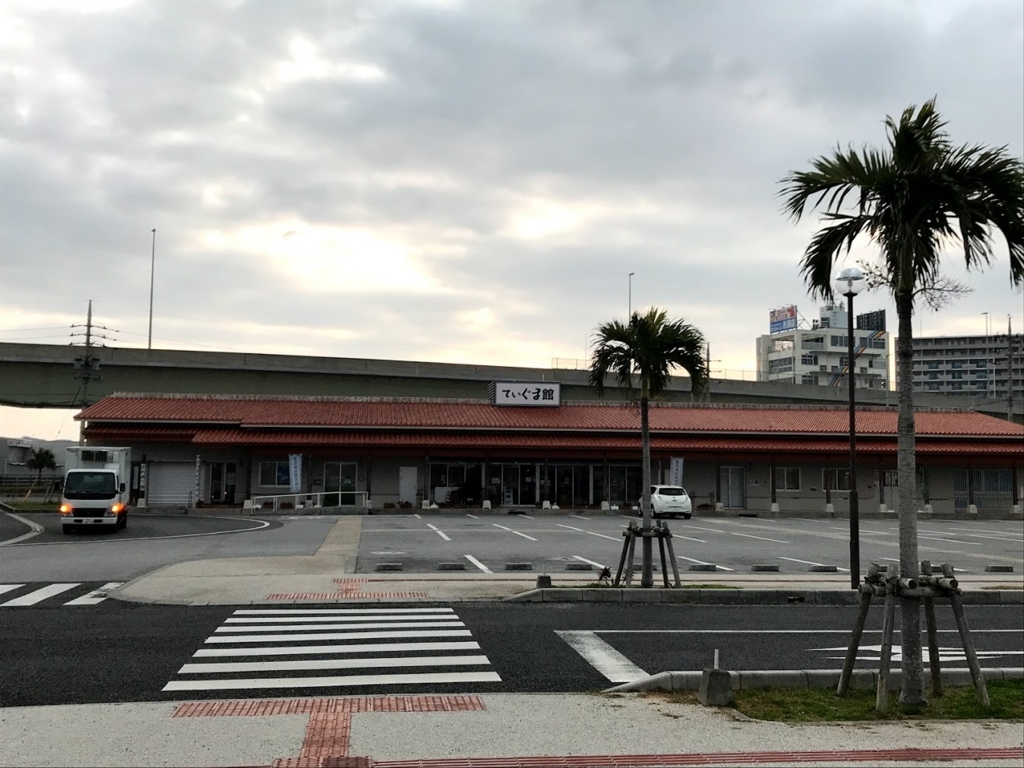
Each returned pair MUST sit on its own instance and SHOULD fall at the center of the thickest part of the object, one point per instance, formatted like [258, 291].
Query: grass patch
[821, 705]
[33, 506]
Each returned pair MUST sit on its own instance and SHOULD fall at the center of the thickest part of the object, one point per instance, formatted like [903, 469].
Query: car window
[670, 490]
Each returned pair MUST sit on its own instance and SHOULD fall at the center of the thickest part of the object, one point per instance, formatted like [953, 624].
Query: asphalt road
[150, 542]
[112, 652]
[420, 543]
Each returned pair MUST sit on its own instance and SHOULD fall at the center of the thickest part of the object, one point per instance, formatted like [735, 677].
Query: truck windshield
[90, 485]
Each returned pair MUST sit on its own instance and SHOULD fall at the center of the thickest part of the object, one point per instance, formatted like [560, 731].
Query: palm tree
[912, 198]
[648, 347]
[40, 459]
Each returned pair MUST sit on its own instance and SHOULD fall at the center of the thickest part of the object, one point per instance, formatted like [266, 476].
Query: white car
[668, 501]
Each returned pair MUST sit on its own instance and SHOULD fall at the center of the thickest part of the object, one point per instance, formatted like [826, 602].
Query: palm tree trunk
[906, 472]
[647, 574]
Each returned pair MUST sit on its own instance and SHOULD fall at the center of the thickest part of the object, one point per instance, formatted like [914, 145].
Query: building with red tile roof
[223, 449]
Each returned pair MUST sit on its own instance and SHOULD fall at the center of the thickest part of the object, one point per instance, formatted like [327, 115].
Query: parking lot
[421, 543]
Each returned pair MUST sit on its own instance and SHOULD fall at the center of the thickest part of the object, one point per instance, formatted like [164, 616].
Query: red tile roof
[390, 415]
[540, 442]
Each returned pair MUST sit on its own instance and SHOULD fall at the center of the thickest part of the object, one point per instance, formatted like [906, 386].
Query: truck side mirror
[122, 487]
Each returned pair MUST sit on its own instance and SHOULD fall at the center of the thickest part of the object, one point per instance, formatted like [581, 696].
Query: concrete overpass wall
[42, 376]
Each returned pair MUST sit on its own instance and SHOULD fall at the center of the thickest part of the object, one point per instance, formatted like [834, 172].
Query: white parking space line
[526, 516]
[478, 564]
[677, 536]
[950, 541]
[701, 562]
[808, 562]
[971, 532]
[442, 534]
[602, 536]
[602, 657]
[584, 560]
[517, 533]
[38, 595]
[96, 596]
[862, 530]
[762, 538]
[473, 516]
[416, 515]
[579, 517]
[702, 528]
[570, 527]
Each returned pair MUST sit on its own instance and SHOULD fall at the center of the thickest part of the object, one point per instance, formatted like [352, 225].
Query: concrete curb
[803, 678]
[733, 596]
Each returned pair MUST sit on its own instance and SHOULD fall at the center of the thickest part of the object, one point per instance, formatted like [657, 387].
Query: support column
[775, 503]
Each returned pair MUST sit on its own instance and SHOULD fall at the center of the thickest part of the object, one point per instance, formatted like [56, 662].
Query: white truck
[95, 488]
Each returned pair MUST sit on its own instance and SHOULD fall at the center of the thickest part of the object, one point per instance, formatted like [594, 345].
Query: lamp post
[849, 283]
[631, 293]
[152, 269]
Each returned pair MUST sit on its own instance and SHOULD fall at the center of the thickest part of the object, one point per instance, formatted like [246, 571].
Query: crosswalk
[284, 648]
[47, 594]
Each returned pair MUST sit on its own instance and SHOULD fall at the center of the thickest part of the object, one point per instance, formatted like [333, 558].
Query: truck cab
[95, 489]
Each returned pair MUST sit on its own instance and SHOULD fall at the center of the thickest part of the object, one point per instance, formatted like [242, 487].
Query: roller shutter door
[169, 483]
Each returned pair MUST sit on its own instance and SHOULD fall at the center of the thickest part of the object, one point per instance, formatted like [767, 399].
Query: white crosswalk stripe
[412, 646]
[48, 595]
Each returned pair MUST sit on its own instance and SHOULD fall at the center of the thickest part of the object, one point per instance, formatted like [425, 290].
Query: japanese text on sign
[526, 393]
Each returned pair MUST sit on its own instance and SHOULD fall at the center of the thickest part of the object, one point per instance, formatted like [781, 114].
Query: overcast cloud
[455, 181]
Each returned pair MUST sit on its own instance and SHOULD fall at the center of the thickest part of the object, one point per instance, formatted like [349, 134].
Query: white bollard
[487, 504]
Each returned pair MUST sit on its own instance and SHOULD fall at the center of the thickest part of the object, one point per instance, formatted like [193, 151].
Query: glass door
[340, 479]
[734, 488]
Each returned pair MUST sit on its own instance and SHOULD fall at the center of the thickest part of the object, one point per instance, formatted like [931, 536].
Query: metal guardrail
[356, 499]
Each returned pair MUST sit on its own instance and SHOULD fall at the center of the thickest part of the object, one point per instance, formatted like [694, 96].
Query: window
[274, 474]
[781, 365]
[958, 387]
[957, 365]
[836, 479]
[933, 386]
[957, 375]
[809, 378]
[808, 359]
[933, 366]
[933, 376]
[838, 341]
[980, 364]
[878, 343]
[787, 478]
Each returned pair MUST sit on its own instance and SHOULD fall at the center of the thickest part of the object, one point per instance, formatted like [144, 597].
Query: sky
[457, 181]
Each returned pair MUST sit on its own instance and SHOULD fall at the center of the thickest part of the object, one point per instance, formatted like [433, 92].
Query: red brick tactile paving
[343, 704]
[349, 595]
[722, 758]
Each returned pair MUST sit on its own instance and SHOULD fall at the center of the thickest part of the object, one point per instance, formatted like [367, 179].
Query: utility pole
[152, 271]
[88, 365]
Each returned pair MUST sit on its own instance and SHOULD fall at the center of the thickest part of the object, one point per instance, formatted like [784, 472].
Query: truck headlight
[65, 509]
[116, 508]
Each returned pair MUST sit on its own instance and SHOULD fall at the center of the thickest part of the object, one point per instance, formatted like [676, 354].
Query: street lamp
[631, 293]
[152, 270]
[849, 283]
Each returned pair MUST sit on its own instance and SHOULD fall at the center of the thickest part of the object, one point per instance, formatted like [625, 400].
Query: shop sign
[525, 393]
[782, 319]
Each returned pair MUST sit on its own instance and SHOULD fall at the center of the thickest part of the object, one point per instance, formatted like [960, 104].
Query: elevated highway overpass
[44, 376]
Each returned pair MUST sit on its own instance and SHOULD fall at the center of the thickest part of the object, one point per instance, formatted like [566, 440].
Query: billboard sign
[295, 472]
[782, 319]
[529, 393]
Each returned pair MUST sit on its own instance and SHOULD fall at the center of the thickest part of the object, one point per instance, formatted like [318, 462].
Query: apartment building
[818, 355]
[985, 366]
